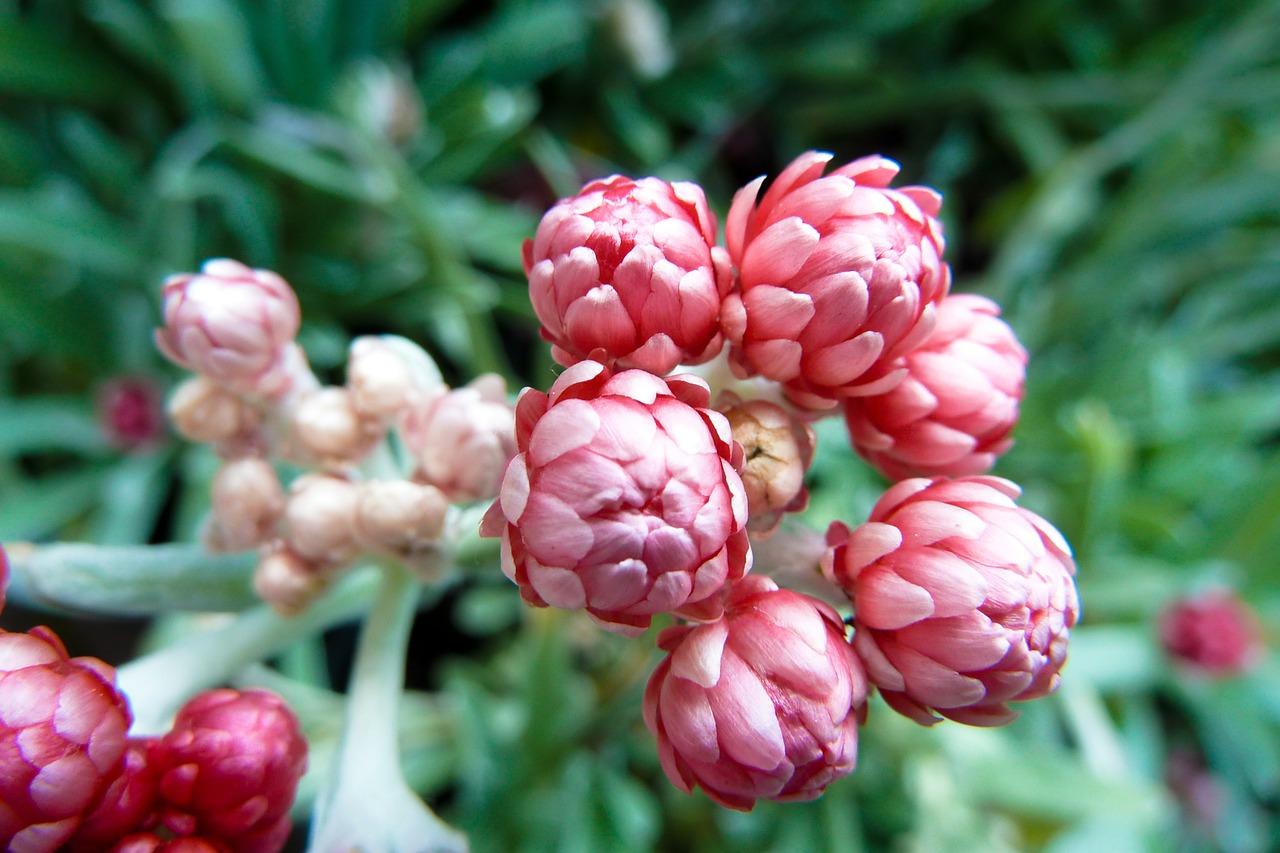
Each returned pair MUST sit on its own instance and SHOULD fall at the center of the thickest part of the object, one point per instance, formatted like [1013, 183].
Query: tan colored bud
[288, 582]
[202, 410]
[778, 449]
[386, 374]
[399, 516]
[327, 428]
[247, 502]
[319, 516]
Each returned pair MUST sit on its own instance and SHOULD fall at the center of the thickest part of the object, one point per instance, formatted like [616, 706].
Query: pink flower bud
[228, 770]
[777, 448]
[247, 501]
[963, 601]
[838, 277]
[62, 739]
[624, 499]
[953, 412]
[763, 703]
[319, 517]
[232, 324]
[631, 268]
[289, 582]
[204, 411]
[1215, 632]
[126, 807]
[464, 439]
[131, 412]
[327, 428]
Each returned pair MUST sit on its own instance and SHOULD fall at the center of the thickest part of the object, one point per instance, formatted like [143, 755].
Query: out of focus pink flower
[838, 274]
[62, 739]
[963, 601]
[131, 412]
[953, 412]
[463, 439]
[629, 267]
[625, 498]
[1214, 631]
[233, 324]
[228, 770]
[763, 703]
[126, 807]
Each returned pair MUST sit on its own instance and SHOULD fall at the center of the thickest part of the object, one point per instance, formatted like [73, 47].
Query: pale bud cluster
[631, 495]
[258, 405]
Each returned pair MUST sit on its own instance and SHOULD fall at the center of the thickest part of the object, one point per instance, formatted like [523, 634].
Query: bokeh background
[1112, 177]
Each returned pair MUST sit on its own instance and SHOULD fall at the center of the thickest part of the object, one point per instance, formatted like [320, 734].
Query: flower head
[228, 770]
[463, 439]
[963, 601]
[624, 499]
[1215, 632]
[838, 274]
[629, 267]
[953, 412]
[62, 739]
[762, 703]
[232, 324]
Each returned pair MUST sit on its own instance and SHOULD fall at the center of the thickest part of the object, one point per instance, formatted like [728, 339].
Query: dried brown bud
[202, 410]
[778, 449]
[247, 502]
[288, 582]
[319, 516]
[328, 429]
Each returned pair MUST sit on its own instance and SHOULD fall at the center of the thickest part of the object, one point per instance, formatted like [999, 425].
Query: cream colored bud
[387, 373]
[777, 449]
[398, 516]
[202, 410]
[319, 518]
[326, 427]
[288, 582]
[247, 502]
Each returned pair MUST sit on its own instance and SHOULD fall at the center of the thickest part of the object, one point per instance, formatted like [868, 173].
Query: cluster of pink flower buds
[256, 402]
[636, 491]
[223, 778]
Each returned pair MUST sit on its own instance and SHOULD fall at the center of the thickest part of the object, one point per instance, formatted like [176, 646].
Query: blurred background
[1112, 177]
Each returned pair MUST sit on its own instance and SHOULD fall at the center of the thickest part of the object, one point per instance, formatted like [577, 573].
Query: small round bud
[399, 517]
[202, 410]
[318, 518]
[464, 439]
[288, 582]
[247, 502]
[1215, 632]
[778, 449]
[387, 373]
[328, 428]
[131, 414]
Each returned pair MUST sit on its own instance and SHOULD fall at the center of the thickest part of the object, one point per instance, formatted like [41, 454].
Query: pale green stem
[159, 683]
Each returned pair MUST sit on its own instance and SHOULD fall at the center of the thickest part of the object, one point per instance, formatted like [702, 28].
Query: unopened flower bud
[288, 582]
[131, 412]
[318, 518]
[328, 428]
[62, 739]
[400, 517]
[1215, 632]
[387, 373]
[463, 440]
[777, 449]
[202, 410]
[232, 324]
[247, 502]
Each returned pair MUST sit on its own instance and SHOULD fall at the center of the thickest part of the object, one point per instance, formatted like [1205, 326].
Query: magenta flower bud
[629, 267]
[838, 277]
[953, 412]
[62, 739]
[625, 498]
[126, 807]
[1215, 632]
[232, 324]
[228, 770]
[131, 411]
[963, 601]
[763, 703]
[464, 439]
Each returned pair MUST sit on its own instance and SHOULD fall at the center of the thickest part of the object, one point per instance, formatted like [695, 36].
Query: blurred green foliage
[1112, 174]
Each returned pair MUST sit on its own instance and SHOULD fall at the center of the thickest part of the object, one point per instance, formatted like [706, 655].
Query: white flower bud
[399, 517]
[319, 516]
[288, 582]
[327, 428]
[202, 410]
[247, 502]
[387, 373]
